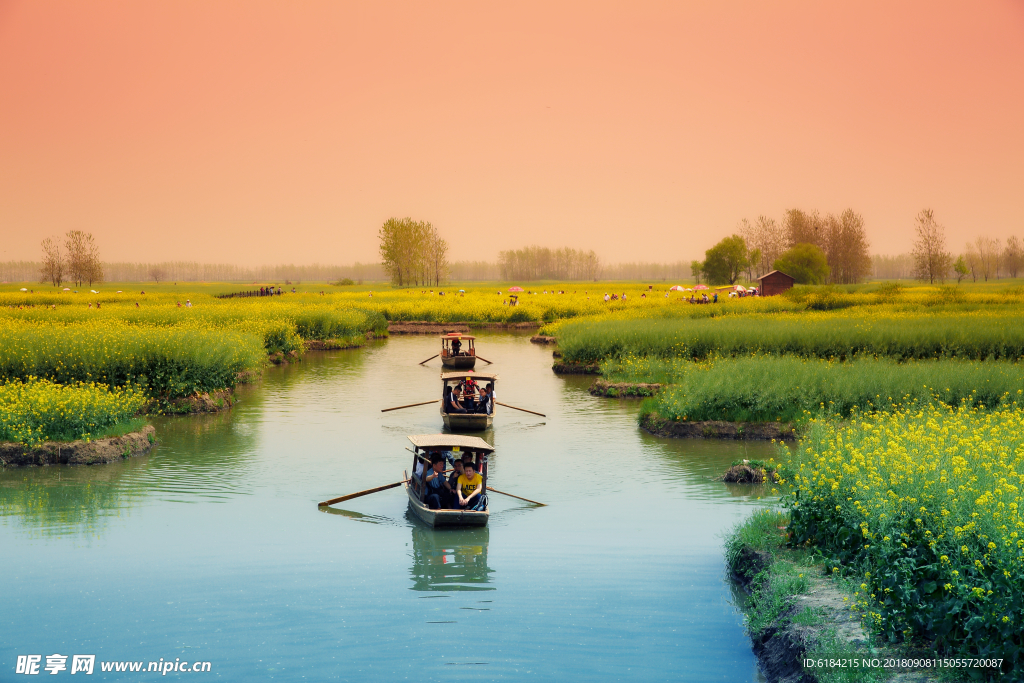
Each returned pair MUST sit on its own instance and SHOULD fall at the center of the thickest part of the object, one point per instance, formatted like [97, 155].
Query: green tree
[961, 268]
[412, 252]
[696, 270]
[806, 263]
[726, 261]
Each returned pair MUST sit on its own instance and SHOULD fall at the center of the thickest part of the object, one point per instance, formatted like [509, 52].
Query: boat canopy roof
[448, 440]
[486, 376]
[457, 335]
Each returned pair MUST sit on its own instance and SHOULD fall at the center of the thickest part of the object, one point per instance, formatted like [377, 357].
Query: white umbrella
[23, 289]
[67, 289]
[94, 291]
[676, 288]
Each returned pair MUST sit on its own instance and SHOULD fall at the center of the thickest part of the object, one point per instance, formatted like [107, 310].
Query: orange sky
[256, 132]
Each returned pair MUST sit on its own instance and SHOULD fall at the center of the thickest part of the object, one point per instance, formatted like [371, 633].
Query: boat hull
[467, 422]
[459, 362]
[445, 518]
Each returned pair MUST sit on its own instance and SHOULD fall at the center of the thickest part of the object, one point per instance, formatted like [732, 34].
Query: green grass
[813, 335]
[788, 389]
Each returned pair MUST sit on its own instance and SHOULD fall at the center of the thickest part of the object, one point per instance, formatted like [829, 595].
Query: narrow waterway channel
[211, 548]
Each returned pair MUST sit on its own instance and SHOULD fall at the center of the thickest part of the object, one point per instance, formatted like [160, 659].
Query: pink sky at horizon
[257, 132]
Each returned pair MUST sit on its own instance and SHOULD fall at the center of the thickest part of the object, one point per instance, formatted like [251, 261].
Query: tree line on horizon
[819, 248]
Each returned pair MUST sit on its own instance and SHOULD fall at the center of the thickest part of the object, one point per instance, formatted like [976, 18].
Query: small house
[775, 282]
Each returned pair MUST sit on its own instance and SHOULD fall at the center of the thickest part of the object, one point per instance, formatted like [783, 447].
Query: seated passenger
[451, 402]
[470, 486]
[484, 406]
[453, 478]
[437, 492]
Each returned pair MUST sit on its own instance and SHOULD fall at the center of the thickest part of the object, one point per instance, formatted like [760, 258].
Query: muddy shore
[715, 429]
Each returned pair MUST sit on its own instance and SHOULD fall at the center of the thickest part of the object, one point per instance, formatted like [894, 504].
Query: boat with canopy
[449, 446]
[458, 351]
[466, 387]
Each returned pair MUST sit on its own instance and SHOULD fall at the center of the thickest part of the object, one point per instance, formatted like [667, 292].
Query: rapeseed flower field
[39, 410]
[922, 506]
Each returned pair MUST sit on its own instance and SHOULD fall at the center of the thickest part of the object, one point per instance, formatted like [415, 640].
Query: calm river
[211, 548]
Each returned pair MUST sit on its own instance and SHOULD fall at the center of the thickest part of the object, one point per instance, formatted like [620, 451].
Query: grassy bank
[37, 410]
[922, 507]
[832, 336]
[788, 389]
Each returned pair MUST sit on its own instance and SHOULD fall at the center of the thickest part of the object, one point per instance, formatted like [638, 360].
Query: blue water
[212, 548]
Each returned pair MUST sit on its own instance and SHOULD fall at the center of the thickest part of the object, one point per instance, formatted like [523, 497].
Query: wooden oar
[367, 492]
[431, 358]
[485, 360]
[514, 496]
[411, 405]
[522, 409]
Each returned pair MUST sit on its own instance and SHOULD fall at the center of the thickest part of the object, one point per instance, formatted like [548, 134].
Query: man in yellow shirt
[470, 485]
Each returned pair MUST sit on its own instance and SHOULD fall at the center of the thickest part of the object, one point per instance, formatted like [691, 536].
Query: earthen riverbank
[79, 452]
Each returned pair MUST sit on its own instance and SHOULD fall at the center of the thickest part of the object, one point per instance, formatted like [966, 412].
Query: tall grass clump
[37, 410]
[789, 389]
[810, 335]
[921, 505]
[168, 362]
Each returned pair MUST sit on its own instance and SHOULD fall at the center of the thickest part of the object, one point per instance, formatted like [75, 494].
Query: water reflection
[450, 559]
[69, 500]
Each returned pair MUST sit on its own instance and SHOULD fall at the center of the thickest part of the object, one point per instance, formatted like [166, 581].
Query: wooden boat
[466, 422]
[453, 355]
[426, 445]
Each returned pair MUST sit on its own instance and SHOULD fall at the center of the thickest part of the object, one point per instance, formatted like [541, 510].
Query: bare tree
[1013, 256]
[156, 274]
[768, 238]
[93, 266]
[846, 247]
[973, 261]
[77, 256]
[988, 256]
[931, 260]
[841, 237]
[437, 253]
[53, 263]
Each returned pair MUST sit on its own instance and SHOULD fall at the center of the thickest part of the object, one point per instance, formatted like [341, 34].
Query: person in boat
[456, 347]
[437, 490]
[469, 487]
[453, 478]
[452, 402]
[483, 403]
[469, 395]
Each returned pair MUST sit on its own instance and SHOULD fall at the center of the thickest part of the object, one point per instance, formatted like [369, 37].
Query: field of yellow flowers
[38, 410]
[922, 505]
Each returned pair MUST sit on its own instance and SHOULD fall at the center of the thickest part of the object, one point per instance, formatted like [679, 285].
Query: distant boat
[426, 445]
[453, 355]
[466, 422]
